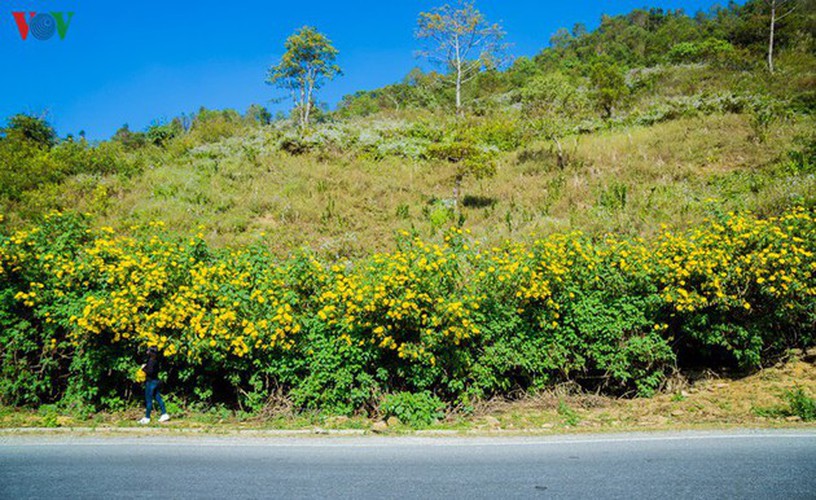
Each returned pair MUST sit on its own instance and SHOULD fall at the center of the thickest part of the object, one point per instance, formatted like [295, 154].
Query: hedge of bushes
[449, 320]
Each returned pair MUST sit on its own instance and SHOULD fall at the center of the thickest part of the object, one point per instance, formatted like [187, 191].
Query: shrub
[569, 416]
[712, 50]
[502, 134]
[130, 140]
[803, 159]
[800, 404]
[160, 133]
[24, 166]
[415, 409]
[797, 404]
[763, 114]
[211, 126]
[238, 326]
[553, 94]
[297, 144]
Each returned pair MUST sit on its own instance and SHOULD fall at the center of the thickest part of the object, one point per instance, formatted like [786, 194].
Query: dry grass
[630, 180]
[709, 401]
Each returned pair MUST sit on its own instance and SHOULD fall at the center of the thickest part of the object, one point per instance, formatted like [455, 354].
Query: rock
[720, 386]
[379, 426]
[810, 355]
[392, 421]
[678, 413]
[684, 394]
[547, 426]
[793, 418]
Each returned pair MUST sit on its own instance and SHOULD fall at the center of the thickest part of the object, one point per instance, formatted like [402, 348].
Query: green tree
[160, 133]
[308, 63]
[552, 105]
[608, 85]
[258, 114]
[32, 129]
[468, 160]
[24, 165]
[460, 39]
[129, 139]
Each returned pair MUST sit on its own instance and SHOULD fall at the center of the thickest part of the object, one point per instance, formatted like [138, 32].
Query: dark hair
[152, 350]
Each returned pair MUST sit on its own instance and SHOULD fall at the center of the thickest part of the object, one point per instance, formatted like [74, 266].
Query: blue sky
[137, 61]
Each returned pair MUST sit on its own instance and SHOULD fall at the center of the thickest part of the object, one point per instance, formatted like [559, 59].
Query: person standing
[151, 369]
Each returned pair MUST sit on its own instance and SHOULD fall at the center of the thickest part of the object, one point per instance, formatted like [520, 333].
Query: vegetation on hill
[628, 201]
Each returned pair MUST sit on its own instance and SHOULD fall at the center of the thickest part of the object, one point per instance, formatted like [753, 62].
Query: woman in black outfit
[151, 369]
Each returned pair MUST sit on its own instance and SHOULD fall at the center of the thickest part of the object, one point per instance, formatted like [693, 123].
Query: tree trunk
[560, 152]
[307, 108]
[458, 80]
[302, 108]
[309, 91]
[306, 114]
[771, 37]
[459, 91]
[457, 187]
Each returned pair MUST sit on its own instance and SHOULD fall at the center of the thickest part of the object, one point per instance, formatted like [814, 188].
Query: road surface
[737, 464]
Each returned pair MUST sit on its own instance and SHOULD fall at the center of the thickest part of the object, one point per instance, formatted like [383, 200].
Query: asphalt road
[739, 464]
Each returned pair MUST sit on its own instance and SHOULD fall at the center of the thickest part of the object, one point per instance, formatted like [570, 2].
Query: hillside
[630, 180]
[695, 121]
[631, 202]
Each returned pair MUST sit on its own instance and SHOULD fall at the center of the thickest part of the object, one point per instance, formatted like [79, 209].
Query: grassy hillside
[697, 122]
[629, 179]
[626, 210]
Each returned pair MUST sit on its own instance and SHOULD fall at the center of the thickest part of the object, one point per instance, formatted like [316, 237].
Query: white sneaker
[144, 421]
[164, 418]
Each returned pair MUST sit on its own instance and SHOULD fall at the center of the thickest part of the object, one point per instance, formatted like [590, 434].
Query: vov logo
[43, 25]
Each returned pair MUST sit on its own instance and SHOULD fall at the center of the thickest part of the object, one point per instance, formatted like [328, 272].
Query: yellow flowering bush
[77, 305]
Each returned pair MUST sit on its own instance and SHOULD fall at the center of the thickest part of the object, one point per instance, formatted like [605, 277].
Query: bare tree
[460, 39]
[780, 9]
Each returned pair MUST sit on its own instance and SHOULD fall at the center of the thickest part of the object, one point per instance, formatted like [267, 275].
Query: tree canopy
[307, 64]
[33, 129]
